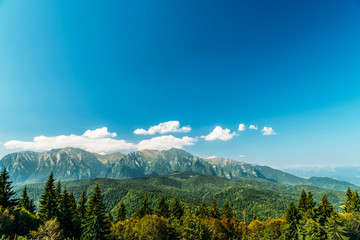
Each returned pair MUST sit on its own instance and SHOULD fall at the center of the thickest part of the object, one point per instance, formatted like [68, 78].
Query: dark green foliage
[95, 226]
[176, 211]
[163, 208]
[202, 211]
[81, 208]
[6, 191]
[324, 211]
[226, 211]
[25, 202]
[302, 205]
[144, 209]
[48, 201]
[352, 203]
[66, 214]
[121, 213]
[291, 218]
[214, 211]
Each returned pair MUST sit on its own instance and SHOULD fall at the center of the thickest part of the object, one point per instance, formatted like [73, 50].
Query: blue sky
[71, 66]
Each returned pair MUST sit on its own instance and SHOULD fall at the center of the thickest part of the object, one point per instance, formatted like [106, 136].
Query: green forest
[61, 214]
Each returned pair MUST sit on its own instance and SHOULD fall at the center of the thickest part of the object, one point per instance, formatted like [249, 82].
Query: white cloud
[253, 127]
[99, 141]
[242, 156]
[219, 133]
[165, 143]
[268, 131]
[242, 127]
[99, 133]
[165, 127]
[92, 141]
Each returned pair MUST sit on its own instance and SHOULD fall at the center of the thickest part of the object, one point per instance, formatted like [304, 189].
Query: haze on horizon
[272, 83]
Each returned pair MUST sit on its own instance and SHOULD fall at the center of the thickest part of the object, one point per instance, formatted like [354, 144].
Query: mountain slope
[73, 164]
[254, 196]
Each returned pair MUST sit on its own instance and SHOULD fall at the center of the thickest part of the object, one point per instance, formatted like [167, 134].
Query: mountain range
[76, 164]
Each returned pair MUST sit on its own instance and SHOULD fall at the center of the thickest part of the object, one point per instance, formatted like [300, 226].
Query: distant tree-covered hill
[258, 197]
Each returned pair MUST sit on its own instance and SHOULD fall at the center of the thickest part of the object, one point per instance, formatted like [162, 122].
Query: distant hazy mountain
[350, 174]
[75, 164]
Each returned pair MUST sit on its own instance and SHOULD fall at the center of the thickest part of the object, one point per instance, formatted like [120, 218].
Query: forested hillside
[144, 210]
[254, 196]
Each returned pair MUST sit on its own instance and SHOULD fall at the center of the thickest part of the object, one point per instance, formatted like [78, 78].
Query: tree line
[60, 216]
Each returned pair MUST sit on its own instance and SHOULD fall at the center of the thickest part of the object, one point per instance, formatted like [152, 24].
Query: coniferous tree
[176, 211]
[24, 201]
[81, 208]
[348, 203]
[121, 213]
[58, 191]
[32, 206]
[291, 218]
[214, 211]
[110, 217]
[48, 202]
[311, 204]
[65, 217]
[95, 226]
[226, 211]
[302, 205]
[202, 211]
[356, 201]
[6, 192]
[325, 210]
[163, 208]
[144, 209]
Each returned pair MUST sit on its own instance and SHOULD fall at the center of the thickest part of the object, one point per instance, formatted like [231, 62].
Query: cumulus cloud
[242, 127]
[268, 131]
[100, 141]
[99, 133]
[253, 127]
[89, 141]
[165, 143]
[165, 127]
[219, 133]
[242, 156]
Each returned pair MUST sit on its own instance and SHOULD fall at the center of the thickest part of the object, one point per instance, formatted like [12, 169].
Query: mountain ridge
[76, 164]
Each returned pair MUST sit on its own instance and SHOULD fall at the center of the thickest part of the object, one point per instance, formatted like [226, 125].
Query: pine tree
[302, 205]
[356, 201]
[291, 218]
[65, 217]
[310, 205]
[144, 209]
[202, 211]
[48, 202]
[226, 211]
[110, 217]
[58, 191]
[214, 211]
[32, 206]
[163, 208]
[95, 226]
[6, 192]
[81, 208]
[24, 201]
[121, 213]
[348, 203]
[324, 210]
[176, 211]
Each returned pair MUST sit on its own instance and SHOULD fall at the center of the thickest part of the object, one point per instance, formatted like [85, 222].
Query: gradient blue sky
[69, 66]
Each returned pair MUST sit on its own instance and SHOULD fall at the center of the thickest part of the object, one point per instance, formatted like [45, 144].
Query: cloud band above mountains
[102, 141]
